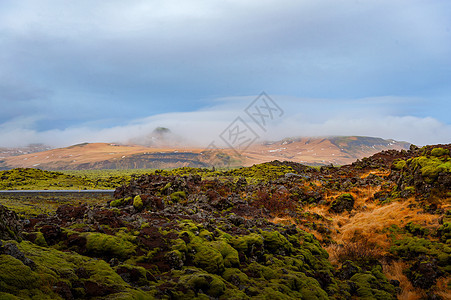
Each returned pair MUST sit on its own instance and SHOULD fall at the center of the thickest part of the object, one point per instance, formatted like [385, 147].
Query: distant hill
[338, 150]
[310, 151]
[14, 151]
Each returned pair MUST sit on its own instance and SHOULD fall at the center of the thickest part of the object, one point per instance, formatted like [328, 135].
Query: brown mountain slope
[322, 151]
[313, 151]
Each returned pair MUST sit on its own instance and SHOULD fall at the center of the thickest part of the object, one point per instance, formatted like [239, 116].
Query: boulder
[10, 227]
[343, 202]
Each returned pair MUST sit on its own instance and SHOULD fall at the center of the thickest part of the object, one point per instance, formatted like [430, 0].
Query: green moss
[416, 229]
[210, 284]
[229, 254]
[399, 164]
[179, 245]
[40, 240]
[132, 294]
[178, 196]
[205, 234]
[269, 293]
[430, 167]
[18, 279]
[439, 152]
[307, 286]
[109, 245]
[315, 249]
[235, 276]
[368, 287]
[137, 202]
[247, 243]
[409, 248]
[209, 259]
[120, 202]
[265, 171]
[101, 273]
[7, 296]
[53, 266]
[444, 232]
[343, 202]
[165, 188]
[414, 246]
[189, 226]
[275, 242]
[145, 225]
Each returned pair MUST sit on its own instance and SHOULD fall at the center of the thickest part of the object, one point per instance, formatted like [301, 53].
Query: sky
[113, 71]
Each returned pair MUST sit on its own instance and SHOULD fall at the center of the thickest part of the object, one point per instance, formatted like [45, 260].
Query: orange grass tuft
[395, 271]
[442, 288]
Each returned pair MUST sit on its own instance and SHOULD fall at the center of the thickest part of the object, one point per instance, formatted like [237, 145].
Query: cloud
[302, 117]
[97, 70]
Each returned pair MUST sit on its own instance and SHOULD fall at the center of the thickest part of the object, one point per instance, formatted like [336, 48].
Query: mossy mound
[343, 202]
[108, 245]
[59, 275]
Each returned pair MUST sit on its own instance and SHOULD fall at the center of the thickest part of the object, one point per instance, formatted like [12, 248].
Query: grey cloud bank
[199, 128]
[113, 71]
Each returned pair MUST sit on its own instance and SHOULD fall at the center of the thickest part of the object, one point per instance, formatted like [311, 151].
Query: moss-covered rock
[209, 258]
[444, 233]
[121, 202]
[343, 202]
[57, 275]
[18, 279]
[439, 152]
[10, 227]
[368, 287]
[236, 277]
[200, 282]
[430, 167]
[248, 244]
[178, 196]
[108, 245]
[137, 202]
[229, 254]
[276, 242]
[399, 164]
[416, 229]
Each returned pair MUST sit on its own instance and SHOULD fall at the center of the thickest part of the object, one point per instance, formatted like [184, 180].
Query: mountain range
[337, 150]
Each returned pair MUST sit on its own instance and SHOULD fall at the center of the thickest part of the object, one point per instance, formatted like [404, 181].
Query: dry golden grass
[369, 222]
[442, 288]
[372, 221]
[366, 227]
[395, 271]
[381, 173]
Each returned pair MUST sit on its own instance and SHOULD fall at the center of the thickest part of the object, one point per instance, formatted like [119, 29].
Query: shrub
[359, 250]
